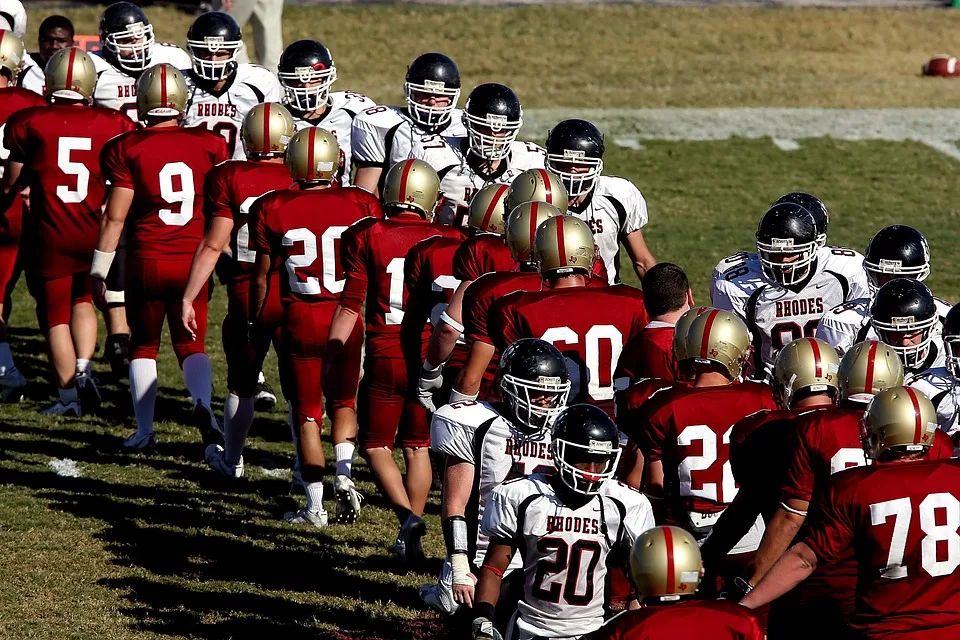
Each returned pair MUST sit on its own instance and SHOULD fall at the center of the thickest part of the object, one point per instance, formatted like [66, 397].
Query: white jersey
[849, 324]
[776, 315]
[944, 392]
[384, 136]
[613, 209]
[476, 433]
[343, 107]
[116, 89]
[565, 550]
[250, 85]
[31, 78]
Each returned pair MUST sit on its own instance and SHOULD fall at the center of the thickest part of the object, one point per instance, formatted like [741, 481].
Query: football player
[897, 251]
[230, 189]
[613, 207]
[221, 91]
[904, 315]
[287, 230]
[55, 33]
[156, 180]
[12, 100]
[893, 513]
[485, 445]
[55, 151]
[373, 254]
[666, 568]
[941, 384]
[783, 290]
[307, 73]
[569, 527]
[591, 339]
[383, 136]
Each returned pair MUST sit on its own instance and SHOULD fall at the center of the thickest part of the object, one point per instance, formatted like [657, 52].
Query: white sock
[84, 366]
[68, 395]
[314, 496]
[143, 389]
[237, 418]
[198, 378]
[344, 453]
[6, 356]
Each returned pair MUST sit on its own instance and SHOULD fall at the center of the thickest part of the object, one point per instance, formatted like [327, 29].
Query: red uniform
[589, 325]
[632, 400]
[374, 255]
[12, 100]
[230, 189]
[903, 521]
[690, 620]
[650, 354]
[165, 167]
[59, 147]
[300, 229]
[482, 253]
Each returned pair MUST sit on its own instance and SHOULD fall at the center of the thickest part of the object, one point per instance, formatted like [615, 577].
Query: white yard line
[65, 467]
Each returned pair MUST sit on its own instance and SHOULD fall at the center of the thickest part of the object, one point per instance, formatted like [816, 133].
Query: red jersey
[482, 253]
[689, 620]
[59, 147]
[902, 520]
[429, 280]
[374, 254]
[631, 400]
[165, 167]
[689, 430]
[230, 189]
[825, 441]
[589, 325]
[300, 230]
[12, 100]
[650, 354]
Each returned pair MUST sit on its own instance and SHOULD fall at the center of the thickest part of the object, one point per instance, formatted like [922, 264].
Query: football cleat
[408, 544]
[215, 458]
[12, 383]
[59, 408]
[305, 516]
[348, 499]
[439, 596]
[210, 430]
[140, 442]
[89, 394]
[264, 399]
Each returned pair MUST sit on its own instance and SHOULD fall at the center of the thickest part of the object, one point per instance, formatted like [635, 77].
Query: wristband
[456, 396]
[460, 569]
[455, 535]
[430, 371]
[450, 321]
[101, 263]
[743, 585]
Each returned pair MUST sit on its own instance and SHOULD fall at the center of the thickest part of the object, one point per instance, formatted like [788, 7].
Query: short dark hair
[50, 23]
[665, 287]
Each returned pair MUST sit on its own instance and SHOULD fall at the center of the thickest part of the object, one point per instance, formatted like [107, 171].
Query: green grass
[157, 546]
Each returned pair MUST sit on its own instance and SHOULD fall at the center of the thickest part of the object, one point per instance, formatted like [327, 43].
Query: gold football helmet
[267, 130]
[313, 155]
[680, 332]
[161, 92]
[11, 53]
[411, 185]
[564, 245]
[665, 564]
[486, 209]
[719, 337]
[537, 184]
[805, 366]
[522, 224]
[866, 370]
[70, 74]
[898, 419]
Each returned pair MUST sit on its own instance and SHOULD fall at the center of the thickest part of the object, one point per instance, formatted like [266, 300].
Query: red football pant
[56, 298]
[245, 354]
[387, 410]
[10, 233]
[154, 292]
[304, 334]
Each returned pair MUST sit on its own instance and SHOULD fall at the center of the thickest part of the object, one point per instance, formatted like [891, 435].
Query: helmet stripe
[496, 201]
[707, 328]
[311, 165]
[266, 127]
[671, 585]
[918, 422]
[533, 223]
[561, 249]
[163, 85]
[73, 56]
[818, 368]
[871, 355]
[403, 179]
[547, 189]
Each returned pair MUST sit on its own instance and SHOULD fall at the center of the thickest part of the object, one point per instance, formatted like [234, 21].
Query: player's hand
[463, 593]
[430, 381]
[189, 318]
[483, 629]
[99, 292]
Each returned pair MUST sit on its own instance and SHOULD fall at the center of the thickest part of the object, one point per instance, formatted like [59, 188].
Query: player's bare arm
[368, 178]
[115, 213]
[458, 479]
[794, 567]
[639, 252]
[341, 326]
[445, 334]
[215, 241]
[471, 375]
[488, 588]
[733, 525]
[258, 285]
[780, 532]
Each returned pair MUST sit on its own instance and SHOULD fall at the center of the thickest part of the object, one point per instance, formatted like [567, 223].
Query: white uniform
[613, 209]
[564, 550]
[476, 433]
[250, 85]
[848, 324]
[116, 89]
[31, 78]
[776, 315]
[338, 120]
[944, 392]
[384, 135]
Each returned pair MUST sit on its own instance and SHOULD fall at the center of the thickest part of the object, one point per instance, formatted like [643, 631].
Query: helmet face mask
[126, 35]
[432, 89]
[817, 209]
[575, 153]
[214, 43]
[904, 314]
[492, 117]
[535, 383]
[951, 340]
[306, 72]
[586, 448]
[787, 244]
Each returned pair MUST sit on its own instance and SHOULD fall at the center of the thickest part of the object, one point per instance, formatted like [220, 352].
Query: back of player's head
[539, 185]
[899, 420]
[11, 55]
[665, 289]
[313, 157]
[486, 212]
[803, 368]
[535, 383]
[69, 75]
[680, 338]
[161, 93]
[719, 341]
[267, 130]
[55, 22]
[521, 229]
[564, 246]
[411, 186]
[665, 564]
[865, 370]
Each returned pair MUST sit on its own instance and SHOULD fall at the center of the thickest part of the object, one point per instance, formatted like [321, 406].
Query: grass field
[158, 546]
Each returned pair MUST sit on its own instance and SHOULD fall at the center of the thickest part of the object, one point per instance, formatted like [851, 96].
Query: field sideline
[96, 543]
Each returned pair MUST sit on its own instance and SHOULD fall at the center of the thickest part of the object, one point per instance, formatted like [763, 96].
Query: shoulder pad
[471, 413]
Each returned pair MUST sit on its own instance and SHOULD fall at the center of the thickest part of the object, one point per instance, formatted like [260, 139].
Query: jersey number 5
[65, 147]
